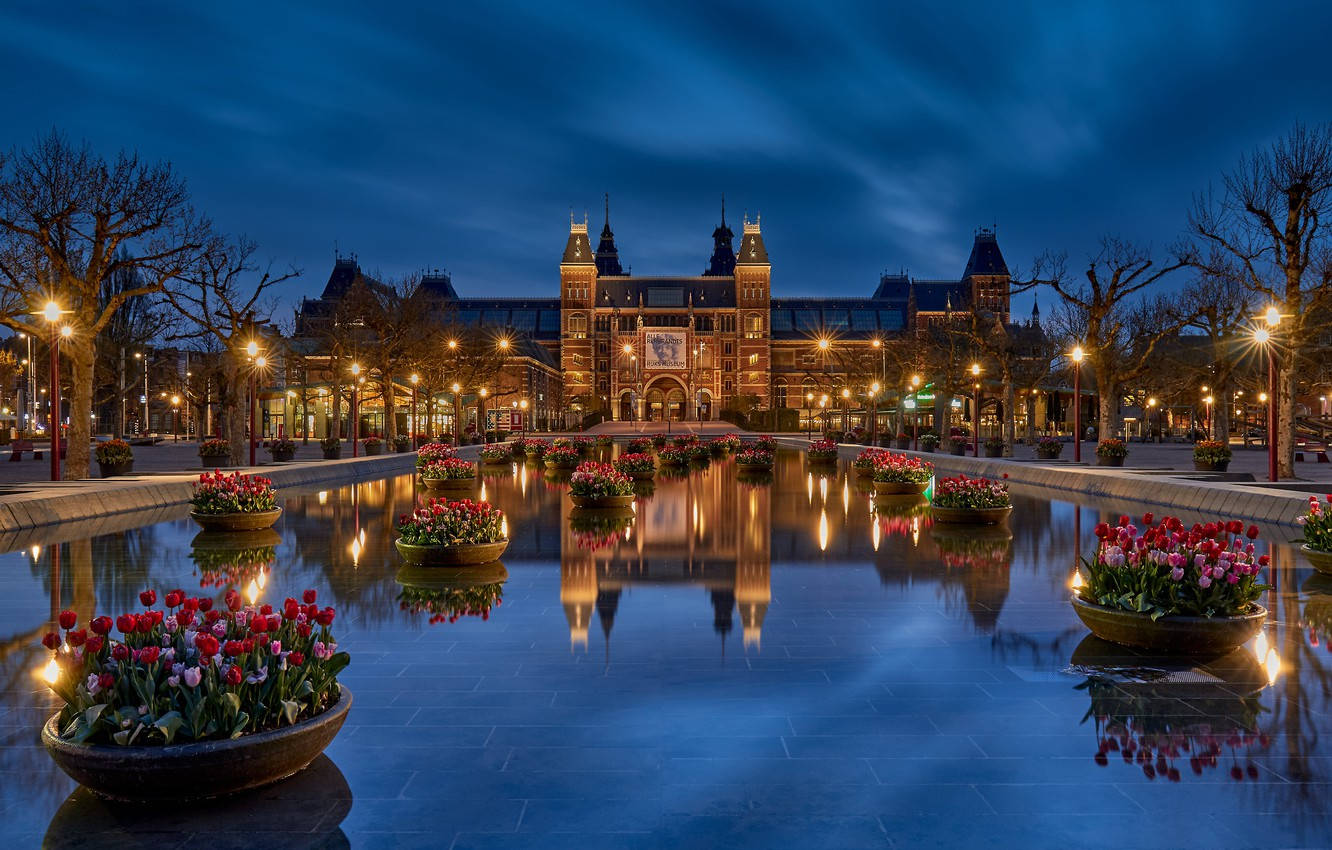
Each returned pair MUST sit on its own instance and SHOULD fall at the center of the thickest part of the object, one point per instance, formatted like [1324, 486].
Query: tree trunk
[233, 402]
[1221, 414]
[1287, 380]
[81, 354]
[333, 427]
[390, 417]
[1107, 402]
[1010, 405]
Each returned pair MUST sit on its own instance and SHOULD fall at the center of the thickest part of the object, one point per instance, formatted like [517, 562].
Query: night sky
[869, 137]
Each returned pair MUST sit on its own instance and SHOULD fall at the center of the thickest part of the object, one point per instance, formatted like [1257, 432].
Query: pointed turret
[722, 263]
[752, 251]
[578, 250]
[608, 258]
[986, 259]
[723, 604]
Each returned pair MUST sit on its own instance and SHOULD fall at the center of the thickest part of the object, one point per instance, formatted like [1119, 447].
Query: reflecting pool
[743, 662]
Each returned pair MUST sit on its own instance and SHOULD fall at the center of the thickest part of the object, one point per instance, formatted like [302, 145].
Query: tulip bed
[1165, 568]
[194, 672]
[441, 522]
[432, 452]
[599, 480]
[904, 470]
[632, 463]
[448, 469]
[219, 493]
[822, 450]
[1317, 525]
[972, 493]
[447, 605]
[562, 457]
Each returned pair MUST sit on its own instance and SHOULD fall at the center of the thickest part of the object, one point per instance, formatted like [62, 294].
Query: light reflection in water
[823, 531]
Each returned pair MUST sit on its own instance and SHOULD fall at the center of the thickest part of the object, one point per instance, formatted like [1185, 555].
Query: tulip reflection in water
[600, 529]
[445, 595]
[234, 559]
[1136, 707]
[901, 516]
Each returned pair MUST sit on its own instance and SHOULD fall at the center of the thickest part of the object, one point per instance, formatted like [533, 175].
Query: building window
[779, 394]
[578, 326]
[603, 347]
[728, 365]
[754, 326]
[628, 324]
[726, 385]
[753, 359]
[603, 324]
[727, 348]
[603, 365]
[728, 324]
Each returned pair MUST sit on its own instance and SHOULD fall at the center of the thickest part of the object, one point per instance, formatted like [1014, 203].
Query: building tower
[722, 263]
[986, 277]
[608, 258]
[578, 286]
[753, 292]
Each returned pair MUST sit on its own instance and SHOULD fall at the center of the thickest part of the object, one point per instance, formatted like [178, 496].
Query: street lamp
[809, 415]
[975, 414]
[1263, 336]
[1151, 408]
[1207, 400]
[874, 412]
[457, 410]
[915, 419]
[411, 423]
[846, 400]
[52, 312]
[481, 413]
[1077, 356]
[355, 409]
[522, 423]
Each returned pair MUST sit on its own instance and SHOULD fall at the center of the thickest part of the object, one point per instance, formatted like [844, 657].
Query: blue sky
[869, 136]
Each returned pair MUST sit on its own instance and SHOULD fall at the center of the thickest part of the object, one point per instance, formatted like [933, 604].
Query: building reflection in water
[703, 530]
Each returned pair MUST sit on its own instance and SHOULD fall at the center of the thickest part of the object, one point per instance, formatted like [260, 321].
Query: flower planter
[459, 555]
[1204, 466]
[902, 444]
[863, 472]
[989, 452]
[235, 541]
[110, 470]
[191, 771]
[449, 483]
[960, 451]
[564, 465]
[283, 457]
[252, 521]
[1103, 460]
[754, 467]
[1047, 455]
[1179, 635]
[374, 450]
[970, 516]
[333, 454]
[497, 461]
[646, 475]
[602, 503]
[425, 578]
[900, 488]
[1321, 561]
[822, 460]
[215, 461]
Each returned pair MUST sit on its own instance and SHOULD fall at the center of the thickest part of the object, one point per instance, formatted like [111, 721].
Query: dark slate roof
[439, 284]
[894, 286]
[985, 259]
[608, 258]
[578, 250]
[537, 318]
[936, 296]
[722, 263]
[842, 318]
[752, 250]
[665, 292]
[345, 273]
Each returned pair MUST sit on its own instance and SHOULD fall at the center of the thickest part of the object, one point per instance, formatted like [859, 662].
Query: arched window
[577, 326]
[753, 326]
[779, 393]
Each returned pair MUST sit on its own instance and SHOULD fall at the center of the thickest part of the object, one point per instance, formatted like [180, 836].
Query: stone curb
[1218, 498]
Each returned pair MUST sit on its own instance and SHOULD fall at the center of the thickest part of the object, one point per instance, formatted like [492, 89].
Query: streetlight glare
[356, 368]
[67, 332]
[915, 380]
[874, 387]
[252, 348]
[975, 368]
[1078, 354]
[51, 311]
[626, 348]
[1273, 317]
[261, 362]
[453, 343]
[1261, 336]
[415, 379]
[823, 344]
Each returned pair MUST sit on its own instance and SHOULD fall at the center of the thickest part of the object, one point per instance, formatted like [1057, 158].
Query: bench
[18, 447]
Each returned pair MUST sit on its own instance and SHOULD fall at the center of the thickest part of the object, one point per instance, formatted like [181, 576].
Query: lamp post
[457, 410]
[1151, 409]
[1263, 336]
[481, 414]
[51, 312]
[846, 401]
[175, 409]
[975, 413]
[874, 414]
[411, 420]
[915, 417]
[1207, 400]
[823, 412]
[809, 415]
[252, 349]
[356, 410]
[522, 423]
[1077, 356]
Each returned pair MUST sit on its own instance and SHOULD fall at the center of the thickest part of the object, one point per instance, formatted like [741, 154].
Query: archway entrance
[626, 406]
[665, 399]
[704, 406]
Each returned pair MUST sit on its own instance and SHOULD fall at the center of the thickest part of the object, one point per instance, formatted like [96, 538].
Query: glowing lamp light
[823, 344]
[261, 362]
[252, 591]
[626, 348]
[356, 368]
[1077, 580]
[252, 348]
[453, 344]
[456, 387]
[975, 368]
[1273, 317]
[1261, 336]
[1078, 354]
[1273, 665]
[415, 378]
[1260, 647]
[915, 381]
[51, 312]
[823, 531]
[67, 332]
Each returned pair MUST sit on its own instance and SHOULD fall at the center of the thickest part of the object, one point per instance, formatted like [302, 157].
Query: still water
[750, 663]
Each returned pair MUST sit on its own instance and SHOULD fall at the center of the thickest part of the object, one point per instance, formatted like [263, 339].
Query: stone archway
[666, 398]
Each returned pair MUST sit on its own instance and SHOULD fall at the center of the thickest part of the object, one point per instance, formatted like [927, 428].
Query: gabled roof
[896, 287]
[752, 250]
[937, 296]
[985, 259]
[438, 284]
[578, 250]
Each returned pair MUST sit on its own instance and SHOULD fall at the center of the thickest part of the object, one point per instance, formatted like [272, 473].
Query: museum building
[648, 347]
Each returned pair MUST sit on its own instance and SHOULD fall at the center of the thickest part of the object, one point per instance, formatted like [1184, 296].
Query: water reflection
[444, 595]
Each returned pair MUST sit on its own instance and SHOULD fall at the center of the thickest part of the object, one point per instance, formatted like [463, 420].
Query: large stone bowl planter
[237, 522]
[373, 449]
[602, 503]
[900, 488]
[534, 454]
[820, 460]
[754, 467]
[1177, 635]
[215, 461]
[1321, 561]
[205, 769]
[863, 472]
[449, 484]
[333, 454]
[1203, 466]
[111, 470]
[960, 451]
[562, 466]
[235, 541]
[648, 475]
[461, 555]
[970, 516]
[497, 461]
[1040, 455]
[1102, 460]
[902, 507]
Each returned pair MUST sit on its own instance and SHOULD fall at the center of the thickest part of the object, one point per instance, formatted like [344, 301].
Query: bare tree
[139, 320]
[65, 215]
[1268, 222]
[1117, 327]
[223, 297]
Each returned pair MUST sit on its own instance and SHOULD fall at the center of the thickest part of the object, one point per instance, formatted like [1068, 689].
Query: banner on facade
[665, 350]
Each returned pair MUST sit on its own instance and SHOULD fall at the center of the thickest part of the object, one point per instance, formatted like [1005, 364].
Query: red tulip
[68, 619]
[126, 623]
[309, 597]
[106, 680]
[51, 640]
[94, 644]
[296, 659]
[148, 597]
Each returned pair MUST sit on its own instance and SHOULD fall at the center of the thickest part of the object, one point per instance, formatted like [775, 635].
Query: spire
[722, 263]
[752, 250]
[578, 250]
[608, 258]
